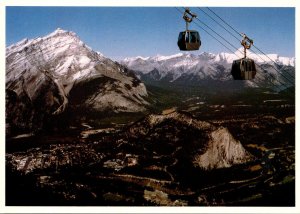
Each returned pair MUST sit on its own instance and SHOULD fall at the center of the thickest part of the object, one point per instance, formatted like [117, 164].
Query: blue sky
[120, 32]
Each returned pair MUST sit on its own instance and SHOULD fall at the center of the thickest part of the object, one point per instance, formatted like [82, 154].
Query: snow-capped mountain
[205, 66]
[43, 74]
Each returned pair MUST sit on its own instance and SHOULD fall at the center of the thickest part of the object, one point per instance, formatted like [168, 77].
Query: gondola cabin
[243, 69]
[189, 40]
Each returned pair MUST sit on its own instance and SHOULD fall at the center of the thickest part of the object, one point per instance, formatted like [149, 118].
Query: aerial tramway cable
[270, 59]
[219, 24]
[229, 48]
[224, 21]
[259, 76]
[215, 37]
[253, 44]
[287, 79]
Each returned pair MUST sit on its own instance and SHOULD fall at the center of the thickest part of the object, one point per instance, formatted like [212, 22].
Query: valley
[122, 160]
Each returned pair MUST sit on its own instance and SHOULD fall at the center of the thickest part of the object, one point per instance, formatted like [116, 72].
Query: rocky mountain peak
[58, 67]
[60, 31]
[26, 43]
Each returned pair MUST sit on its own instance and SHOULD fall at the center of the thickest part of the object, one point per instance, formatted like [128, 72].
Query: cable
[229, 48]
[208, 33]
[219, 24]
[216, 38]
[287, 79]
[238, 50]
[223, 44]
[253, 45]
[269, 58]
[217, 34]
[224, 22]
[258, 74]
[214, 32]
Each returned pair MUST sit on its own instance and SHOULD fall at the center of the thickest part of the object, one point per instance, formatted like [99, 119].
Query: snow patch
[81, 74]
[84, 60]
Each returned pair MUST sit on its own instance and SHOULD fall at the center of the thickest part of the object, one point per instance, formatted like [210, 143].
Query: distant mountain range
[46, 74]
[190, 68]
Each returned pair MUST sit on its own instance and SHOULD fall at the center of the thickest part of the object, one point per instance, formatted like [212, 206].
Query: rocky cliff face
[45, 75]
[202, 144]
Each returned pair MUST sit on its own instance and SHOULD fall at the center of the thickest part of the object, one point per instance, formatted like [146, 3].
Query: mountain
[186, 138]
[190, 68]
[45, 75]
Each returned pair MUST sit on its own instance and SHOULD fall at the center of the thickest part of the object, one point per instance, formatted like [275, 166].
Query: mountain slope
[47, 71]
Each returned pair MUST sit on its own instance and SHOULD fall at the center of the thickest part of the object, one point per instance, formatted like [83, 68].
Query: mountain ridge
[222, 56]
[187, 68]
